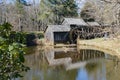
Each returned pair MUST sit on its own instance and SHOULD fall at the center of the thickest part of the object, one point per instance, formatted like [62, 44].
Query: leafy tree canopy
[61, 8]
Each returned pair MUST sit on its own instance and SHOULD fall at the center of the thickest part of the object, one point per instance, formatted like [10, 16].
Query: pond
[71, 64]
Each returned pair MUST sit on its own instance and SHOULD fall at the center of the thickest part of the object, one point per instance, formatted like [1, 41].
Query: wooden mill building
[69, 27]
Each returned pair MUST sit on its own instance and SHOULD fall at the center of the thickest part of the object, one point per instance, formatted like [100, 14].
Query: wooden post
[78, 38]
[83, 54]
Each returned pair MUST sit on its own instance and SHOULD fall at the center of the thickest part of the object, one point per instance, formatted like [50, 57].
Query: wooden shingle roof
[93, 24]
[74, 21]
[54, 28]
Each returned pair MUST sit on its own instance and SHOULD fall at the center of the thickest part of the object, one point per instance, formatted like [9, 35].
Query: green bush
[19, 37]
[40, 35]
[11, 54]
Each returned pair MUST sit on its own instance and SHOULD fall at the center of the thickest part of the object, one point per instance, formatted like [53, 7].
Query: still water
[71, 64]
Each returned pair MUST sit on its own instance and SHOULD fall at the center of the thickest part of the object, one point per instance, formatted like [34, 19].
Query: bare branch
[109, 1]
[106, 1]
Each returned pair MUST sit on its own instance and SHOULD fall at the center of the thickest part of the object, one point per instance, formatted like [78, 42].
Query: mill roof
[75, 21]
[93, 23]
[58, 28]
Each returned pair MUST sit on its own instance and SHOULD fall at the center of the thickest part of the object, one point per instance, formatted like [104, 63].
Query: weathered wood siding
[49, 34]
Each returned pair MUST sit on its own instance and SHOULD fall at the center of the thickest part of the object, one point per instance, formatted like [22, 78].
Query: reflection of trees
[91, 67]
[113, 70]
[114, 59]
[112, 67]
[36, 58]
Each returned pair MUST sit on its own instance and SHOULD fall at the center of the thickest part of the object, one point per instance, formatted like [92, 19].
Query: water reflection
[71, 64]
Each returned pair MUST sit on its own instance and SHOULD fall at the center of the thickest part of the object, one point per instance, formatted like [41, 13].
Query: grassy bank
[112, 45]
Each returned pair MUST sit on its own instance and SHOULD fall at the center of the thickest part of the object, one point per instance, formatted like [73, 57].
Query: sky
[80, 4]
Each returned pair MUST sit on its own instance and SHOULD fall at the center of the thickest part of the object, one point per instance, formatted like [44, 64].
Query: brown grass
[108, 44]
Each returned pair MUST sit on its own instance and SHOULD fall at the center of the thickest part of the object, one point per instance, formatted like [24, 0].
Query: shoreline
[109, 45]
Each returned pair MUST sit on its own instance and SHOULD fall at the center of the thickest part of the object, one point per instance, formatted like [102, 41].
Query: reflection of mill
[72, 59]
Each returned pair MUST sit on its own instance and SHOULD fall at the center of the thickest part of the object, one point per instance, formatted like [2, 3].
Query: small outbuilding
[57, 34]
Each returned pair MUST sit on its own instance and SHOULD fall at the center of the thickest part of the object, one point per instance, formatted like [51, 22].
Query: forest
[37, 15]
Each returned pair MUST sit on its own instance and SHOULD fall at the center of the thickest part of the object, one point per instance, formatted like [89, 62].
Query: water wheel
[73, 35]
[75, 32]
